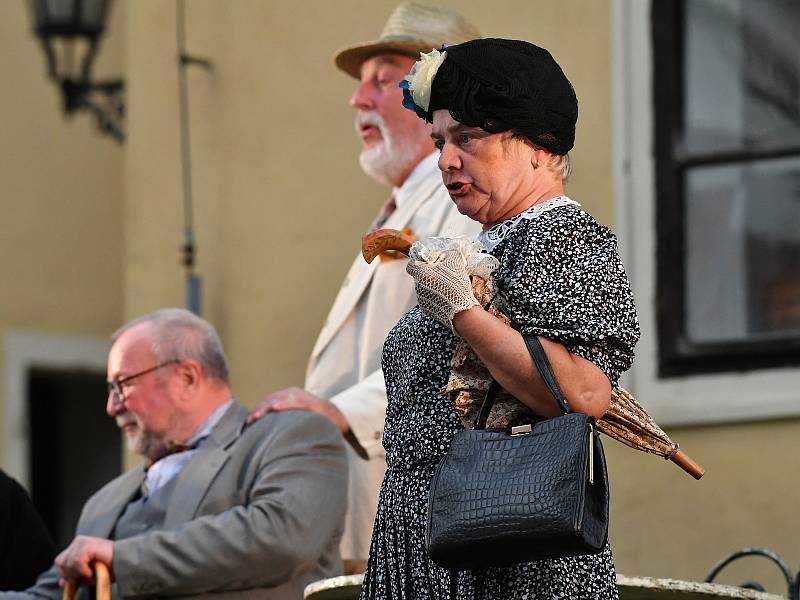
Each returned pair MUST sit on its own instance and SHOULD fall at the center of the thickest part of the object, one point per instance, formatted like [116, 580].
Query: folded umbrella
[625, 420]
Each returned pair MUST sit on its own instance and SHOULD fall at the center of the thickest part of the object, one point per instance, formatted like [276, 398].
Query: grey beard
[386, 161]
[145, 444]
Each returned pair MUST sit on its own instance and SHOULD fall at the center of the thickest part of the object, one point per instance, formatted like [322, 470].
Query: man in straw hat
[344, 379]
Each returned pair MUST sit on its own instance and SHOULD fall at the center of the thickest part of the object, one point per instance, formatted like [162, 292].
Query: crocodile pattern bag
[502, 497]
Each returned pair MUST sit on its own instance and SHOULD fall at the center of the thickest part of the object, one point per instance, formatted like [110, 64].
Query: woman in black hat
[503, 117]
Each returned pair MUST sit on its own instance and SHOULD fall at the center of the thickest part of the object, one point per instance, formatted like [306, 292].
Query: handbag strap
[546, 371]
[486, 405]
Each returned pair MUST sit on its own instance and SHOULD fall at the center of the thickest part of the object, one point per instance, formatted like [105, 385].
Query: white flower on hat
[421, 77]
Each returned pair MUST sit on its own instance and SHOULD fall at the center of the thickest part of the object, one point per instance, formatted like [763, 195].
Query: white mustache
[370, 118]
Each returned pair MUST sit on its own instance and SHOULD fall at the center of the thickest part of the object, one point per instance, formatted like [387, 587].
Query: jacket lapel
[103, 524]
[353, 287]
[361, 273]
[196, 477]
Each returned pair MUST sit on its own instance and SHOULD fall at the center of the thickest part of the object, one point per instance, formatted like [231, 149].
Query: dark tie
[388, 208]
[172, 448]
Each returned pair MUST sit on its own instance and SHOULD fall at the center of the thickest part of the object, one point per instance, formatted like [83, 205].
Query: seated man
[218, 508]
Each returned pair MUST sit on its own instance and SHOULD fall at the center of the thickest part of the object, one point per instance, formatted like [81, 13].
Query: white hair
[560, 164]
[181, 335]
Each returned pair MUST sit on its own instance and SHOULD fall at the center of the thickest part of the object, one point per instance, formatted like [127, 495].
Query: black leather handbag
[538, 491]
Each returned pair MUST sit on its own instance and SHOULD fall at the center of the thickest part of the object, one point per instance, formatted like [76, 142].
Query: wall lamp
[70, 31]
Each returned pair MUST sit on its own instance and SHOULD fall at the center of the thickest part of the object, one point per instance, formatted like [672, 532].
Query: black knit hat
[504, 85]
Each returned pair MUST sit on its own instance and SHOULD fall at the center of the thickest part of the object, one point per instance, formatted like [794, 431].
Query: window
[726, 84]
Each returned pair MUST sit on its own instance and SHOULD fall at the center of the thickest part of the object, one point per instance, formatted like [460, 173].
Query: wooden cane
[102, 580]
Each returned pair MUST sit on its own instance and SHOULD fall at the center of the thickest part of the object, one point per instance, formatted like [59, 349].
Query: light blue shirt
[163, 470]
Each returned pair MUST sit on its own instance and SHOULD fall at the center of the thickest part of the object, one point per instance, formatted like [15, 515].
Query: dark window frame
[677, 354]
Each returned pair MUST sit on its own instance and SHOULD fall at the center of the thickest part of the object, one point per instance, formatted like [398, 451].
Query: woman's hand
[442, 285]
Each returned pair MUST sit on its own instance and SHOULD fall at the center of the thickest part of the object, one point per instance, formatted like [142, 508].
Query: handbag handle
[545, 371]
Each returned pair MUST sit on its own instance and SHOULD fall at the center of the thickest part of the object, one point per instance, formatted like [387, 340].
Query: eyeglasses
[115, 385]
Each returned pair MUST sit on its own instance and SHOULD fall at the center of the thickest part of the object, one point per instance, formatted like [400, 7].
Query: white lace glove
[442, 284]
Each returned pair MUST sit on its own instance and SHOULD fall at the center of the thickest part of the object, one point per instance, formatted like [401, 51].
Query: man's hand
[297, 398]
[75, 562]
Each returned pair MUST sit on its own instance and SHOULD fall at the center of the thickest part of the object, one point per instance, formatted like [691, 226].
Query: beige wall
[61, 240]
[664, 523]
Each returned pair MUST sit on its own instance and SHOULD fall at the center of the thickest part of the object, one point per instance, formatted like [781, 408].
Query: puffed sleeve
[561, 278]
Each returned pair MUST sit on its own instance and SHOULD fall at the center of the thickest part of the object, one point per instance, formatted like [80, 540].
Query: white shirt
[427, 167]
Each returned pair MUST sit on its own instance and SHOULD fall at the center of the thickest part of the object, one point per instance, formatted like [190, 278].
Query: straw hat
[412, 28]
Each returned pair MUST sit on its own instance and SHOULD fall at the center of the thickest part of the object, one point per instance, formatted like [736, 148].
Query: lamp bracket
[187, 60]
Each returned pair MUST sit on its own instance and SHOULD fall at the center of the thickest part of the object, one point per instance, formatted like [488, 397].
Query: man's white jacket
[345, 363]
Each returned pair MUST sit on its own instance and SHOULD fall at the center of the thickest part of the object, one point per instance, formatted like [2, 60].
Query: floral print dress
[560, 277]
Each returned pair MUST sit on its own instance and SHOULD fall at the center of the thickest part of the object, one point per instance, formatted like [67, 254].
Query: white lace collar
[491, 237]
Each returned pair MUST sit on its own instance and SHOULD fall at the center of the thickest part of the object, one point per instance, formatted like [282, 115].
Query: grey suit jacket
[257, 513]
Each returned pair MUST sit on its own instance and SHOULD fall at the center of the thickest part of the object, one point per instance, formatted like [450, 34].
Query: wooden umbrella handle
[382, 240]
[682, 459]
[102, 579]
